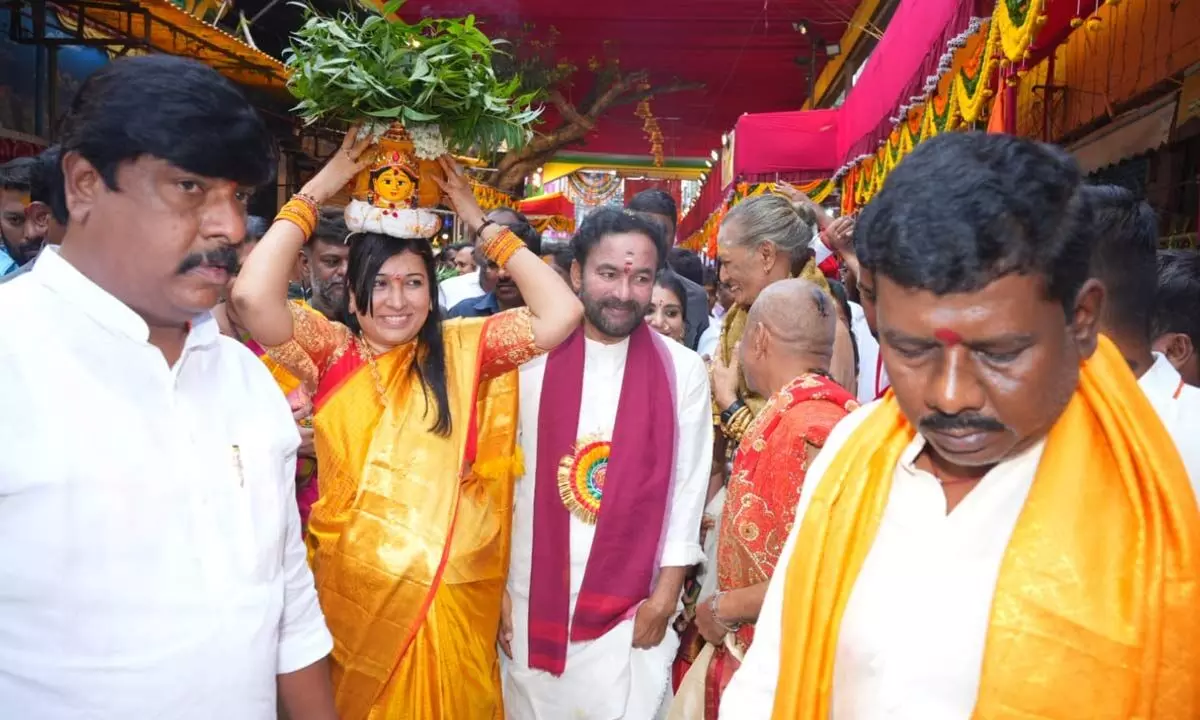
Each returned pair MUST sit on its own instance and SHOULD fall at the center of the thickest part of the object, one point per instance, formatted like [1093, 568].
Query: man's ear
[576, 276]
[1085, 323]
[1177, 347]
[82, 186]
[37, 220]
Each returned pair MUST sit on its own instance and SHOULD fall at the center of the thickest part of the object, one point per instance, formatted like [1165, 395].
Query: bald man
[786, 352]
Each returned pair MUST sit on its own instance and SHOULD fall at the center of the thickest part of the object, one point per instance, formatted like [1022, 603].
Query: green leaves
[351, 68]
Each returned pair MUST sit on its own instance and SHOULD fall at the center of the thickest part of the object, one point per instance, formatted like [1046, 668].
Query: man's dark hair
[256, 227]
[456, 247]
[46, 183]
[174, 109]
[686, 263]
[16, 174]
[655, 202]
[331, 227]
[1124, 240]
[669, 279]
[711, 277]
[603, 222]
[368, 253]
[965, 209]
[520, 216]
[1177, 301]
[563, 257]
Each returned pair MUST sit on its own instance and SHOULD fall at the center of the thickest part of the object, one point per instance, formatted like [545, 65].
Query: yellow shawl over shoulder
[1096, 613]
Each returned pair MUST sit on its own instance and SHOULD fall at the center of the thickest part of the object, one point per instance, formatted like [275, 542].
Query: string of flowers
[653, 131]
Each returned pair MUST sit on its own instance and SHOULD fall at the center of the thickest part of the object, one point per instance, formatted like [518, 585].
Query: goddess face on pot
[394, 181]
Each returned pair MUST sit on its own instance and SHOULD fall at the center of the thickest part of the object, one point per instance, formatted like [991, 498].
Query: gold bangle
[502, 247]
[301, 211]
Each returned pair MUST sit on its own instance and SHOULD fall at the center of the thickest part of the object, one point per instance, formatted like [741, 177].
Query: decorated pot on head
[393, 194]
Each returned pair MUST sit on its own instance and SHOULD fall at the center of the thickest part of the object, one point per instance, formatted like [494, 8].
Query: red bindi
[947, 337]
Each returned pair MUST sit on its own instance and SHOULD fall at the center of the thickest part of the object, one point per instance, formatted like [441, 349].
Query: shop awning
[547, 205]
[800, 145]
[1131, 134]
[158, 25]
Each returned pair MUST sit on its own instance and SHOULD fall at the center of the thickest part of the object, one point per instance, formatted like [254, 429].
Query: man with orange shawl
[1010, 532]
[785, 354]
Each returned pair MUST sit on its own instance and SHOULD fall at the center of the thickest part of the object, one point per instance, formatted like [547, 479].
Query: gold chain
[369, 358]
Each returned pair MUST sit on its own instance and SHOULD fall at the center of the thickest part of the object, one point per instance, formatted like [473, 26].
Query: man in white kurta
[920, 628]
[607, 678]
[1125, 229]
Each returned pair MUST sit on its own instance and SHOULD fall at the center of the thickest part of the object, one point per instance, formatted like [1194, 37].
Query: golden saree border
[1095, 610]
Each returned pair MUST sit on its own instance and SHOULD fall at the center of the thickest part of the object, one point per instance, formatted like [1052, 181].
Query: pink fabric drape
[771, 145]
[909, 53]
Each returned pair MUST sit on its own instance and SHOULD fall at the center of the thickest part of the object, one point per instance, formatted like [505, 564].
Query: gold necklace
[368, 357]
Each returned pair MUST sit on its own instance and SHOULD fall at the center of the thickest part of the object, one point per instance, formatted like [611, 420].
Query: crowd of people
[931, 462]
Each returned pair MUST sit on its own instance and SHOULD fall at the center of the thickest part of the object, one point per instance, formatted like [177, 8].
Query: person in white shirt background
[1125, 238]
[1176, 322]
[151, 564]
[468, 283]
[1011, 531]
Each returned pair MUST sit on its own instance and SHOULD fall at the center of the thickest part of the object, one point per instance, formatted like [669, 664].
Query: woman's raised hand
[353, 157]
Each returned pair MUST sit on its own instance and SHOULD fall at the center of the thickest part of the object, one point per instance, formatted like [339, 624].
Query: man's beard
[328, 294]
[593, 310]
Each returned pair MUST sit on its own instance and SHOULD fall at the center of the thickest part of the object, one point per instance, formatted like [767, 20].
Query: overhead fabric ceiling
[743, 51]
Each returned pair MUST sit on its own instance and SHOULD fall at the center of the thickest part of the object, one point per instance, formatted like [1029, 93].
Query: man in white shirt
[1126, 239]
[1011, 533]
[617, 440]
[470, 283]
[151, 564]
[1176, 323]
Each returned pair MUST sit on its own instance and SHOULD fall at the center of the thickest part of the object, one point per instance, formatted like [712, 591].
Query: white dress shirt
[150, 556]
[912, 638]
[1178, 404]
[606, 678]
[872, 375]
[452, 291]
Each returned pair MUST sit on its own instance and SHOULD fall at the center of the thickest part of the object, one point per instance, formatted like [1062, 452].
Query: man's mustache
[941, 422]
[627, 305]
[224, 258]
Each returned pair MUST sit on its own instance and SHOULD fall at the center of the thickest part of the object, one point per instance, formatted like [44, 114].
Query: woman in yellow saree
[415, 430]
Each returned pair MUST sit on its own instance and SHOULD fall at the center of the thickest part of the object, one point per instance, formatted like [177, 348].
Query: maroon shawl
[623, 563]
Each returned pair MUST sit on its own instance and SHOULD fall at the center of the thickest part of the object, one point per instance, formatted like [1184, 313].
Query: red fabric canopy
[741, 51]
[768, 146]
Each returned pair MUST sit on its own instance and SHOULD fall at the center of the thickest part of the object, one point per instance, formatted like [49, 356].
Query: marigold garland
[1019, 21]
[653, 131]
[971, 81]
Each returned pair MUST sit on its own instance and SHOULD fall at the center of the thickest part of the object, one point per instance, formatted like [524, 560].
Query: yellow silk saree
[409, 540]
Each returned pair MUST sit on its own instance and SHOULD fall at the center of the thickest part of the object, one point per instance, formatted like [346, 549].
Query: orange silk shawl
[1096, 612]
[408, 542]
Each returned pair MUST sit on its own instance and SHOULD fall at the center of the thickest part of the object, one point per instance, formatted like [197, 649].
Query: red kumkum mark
[947, 337]
[629, 264]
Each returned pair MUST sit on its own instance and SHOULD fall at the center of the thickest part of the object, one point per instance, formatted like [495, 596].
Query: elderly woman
[762, 240]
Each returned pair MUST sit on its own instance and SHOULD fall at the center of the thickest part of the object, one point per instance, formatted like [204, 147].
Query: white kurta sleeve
[693, 463]
[303, 637]
[751, 692]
